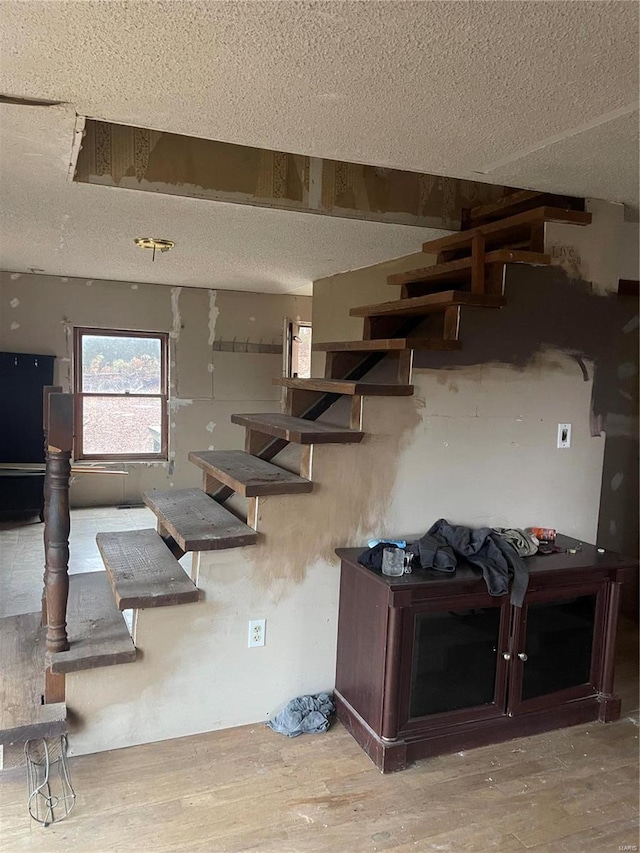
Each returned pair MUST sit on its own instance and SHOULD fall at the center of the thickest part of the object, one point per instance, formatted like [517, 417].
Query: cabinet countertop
[587, 558]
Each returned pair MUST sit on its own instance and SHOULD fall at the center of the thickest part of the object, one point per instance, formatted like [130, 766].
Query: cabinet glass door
[558, 645]
[455, 656]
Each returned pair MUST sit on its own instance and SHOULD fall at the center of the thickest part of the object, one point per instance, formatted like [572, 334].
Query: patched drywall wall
[475, 444]
[601, 253]
[38, 313]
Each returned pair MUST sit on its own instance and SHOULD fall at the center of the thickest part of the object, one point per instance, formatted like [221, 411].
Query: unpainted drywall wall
[604, 253]
[601, 253]
[38, 313]
[476, 444]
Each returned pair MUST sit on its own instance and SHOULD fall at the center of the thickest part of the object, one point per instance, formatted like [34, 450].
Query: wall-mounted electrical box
[564, 435]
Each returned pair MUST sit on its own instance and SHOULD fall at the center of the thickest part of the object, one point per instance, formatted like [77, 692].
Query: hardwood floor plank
[249, 789]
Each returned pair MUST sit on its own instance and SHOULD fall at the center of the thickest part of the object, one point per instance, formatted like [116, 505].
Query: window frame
[78, 408]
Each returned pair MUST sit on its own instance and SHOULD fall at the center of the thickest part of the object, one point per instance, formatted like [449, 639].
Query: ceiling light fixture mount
[154, 243]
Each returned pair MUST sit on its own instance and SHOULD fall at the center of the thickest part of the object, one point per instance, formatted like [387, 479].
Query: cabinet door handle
[506, 655]
[522, 656]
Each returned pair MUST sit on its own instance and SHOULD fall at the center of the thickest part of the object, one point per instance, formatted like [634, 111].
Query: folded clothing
[304, 715]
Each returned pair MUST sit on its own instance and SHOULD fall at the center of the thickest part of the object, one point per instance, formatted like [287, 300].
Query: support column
[46, 391]
[57, 549]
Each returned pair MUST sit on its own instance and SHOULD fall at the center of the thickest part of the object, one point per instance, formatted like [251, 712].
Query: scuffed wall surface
[195, 672]
[475, 444]
[600, 253]
[38, 313]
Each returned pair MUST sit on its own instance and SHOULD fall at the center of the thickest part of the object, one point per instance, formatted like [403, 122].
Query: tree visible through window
[120, 383]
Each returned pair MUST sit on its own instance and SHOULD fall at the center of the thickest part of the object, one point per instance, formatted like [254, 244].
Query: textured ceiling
[535, 94]
[52, 225]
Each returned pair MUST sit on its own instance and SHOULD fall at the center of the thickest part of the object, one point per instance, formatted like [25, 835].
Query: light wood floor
[249, 789]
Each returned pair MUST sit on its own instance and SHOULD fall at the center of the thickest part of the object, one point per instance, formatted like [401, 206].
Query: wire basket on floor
[51, 795]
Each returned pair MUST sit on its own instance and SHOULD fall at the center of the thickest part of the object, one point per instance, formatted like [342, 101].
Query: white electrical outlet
[257, 629]
[564, 435]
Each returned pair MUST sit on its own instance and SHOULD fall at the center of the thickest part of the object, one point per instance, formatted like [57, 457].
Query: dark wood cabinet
[431, 663]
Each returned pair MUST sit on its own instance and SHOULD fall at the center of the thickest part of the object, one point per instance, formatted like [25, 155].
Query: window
[120, 384]
[297, 361]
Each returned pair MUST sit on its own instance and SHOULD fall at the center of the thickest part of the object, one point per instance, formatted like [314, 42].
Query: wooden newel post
[57, 565]
[57, 519]
[48, 389]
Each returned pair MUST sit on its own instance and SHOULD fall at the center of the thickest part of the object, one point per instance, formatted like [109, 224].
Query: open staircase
[142, 568]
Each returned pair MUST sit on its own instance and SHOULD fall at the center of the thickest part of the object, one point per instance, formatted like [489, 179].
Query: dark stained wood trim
[46, 392]
[296, 430]
[388, 345]
[517, 202]
[451, 323]
[389, 757]
[611, 628]
[503, 226]
[477, 264]
[345, 386]
[57, 556]
[628, 287]
[463, 268]
[54, 687]
[390, 709]
[432, 302]
[365, 659]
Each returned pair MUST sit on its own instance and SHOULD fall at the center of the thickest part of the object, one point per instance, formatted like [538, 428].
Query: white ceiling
[535, 94]
[49, 224]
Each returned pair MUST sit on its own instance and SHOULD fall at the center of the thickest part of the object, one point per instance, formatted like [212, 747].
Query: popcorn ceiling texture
[45, 225]
[540, 95]
[441, 87]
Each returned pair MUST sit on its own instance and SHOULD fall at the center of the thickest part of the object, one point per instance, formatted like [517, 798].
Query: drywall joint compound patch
[176, 323]
[214, 312]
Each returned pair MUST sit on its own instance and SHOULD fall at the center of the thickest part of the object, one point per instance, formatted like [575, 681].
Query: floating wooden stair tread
[22, 664]
[388, 345]
[428, 304]
[248, 475]
[97, 632]
[297, 430]
[142, 571]
[461, 269]
[197, 522]
[516, 202]
[346, 386]
[495, 232]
